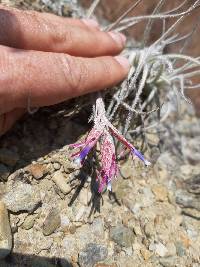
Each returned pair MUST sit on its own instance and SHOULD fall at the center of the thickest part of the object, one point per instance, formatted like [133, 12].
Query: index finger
[53, 77]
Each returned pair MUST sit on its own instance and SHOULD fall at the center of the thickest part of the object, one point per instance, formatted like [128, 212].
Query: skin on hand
[51, 59]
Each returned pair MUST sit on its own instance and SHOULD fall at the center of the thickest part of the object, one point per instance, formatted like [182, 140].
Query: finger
[47, 32]
[52, 77]
[83, 23]
[7, 120]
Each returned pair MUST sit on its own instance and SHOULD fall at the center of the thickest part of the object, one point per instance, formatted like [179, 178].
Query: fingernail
[123, 62]
[118, 37]
[91, 23]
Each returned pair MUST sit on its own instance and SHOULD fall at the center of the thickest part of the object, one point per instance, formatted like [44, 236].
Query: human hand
[51, 59]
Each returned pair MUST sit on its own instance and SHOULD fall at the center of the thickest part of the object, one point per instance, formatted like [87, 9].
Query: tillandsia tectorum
[153, 73]
[103, 132]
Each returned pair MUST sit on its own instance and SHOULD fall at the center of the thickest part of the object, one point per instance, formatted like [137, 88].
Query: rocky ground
[51, 213]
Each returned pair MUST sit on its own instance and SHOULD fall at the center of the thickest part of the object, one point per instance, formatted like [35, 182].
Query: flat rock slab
[22, 197]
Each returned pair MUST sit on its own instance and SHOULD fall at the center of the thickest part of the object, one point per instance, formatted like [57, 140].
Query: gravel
[152, 217]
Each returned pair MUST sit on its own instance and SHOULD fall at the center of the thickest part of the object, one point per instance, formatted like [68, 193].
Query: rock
[65, 222]
[168, 261]
[135, 225]
[52, 222]
[56, 166]
[22, 197]
[84, 236]
[190, 149]
[69, 245]
[4, 172]
[180, 249]
[93, 253]
[187, 200]
[149, 230]
[186, 170]
[60, 180]
[160, 192]
[146, 254]
[159, 249]
[37, 170]
[29, 221]
[171, 249]
[168, 161]
[153, 138]
[5, 232]
[127, 170]
[8, 157]
[122, 235]
[97, 228]
[193, 184]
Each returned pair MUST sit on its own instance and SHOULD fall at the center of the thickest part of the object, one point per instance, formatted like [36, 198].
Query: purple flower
[86, 146]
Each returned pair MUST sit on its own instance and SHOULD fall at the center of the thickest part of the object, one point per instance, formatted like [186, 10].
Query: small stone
[185, 240]
[29, 221]
[122, 235]
[4, 173]
[152, 138]
[5, 232]
[69, 245]
[180, 249]
[168, 161]
[70, 167]
[56, 166]
[93, 253]
[160, 192]
[171, 248]
[22, 197]
[127, 170]
[97, 228]
[146, 254]
[8, 157]
[72, 229]
[65, 222]
[158, 248]
[186, 170]
[52, 222]
[37, 170]
[168, 261]
[149, 229]
[60, 180]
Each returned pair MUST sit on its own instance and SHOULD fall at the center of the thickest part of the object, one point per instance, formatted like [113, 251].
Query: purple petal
[140, 156]
[82, 155]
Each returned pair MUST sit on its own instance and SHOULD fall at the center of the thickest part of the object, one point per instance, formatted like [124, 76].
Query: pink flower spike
[108, 161]
[128, 145]
[87, 145]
